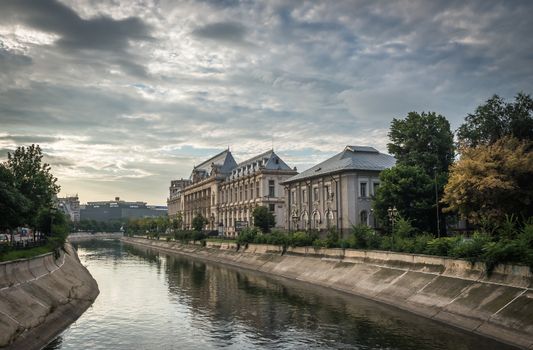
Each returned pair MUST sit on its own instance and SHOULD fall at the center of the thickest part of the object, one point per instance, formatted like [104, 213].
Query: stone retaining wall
[453, 291]
[40, 297]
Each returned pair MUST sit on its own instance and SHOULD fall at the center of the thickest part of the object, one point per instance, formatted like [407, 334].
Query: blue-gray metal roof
[352, 158]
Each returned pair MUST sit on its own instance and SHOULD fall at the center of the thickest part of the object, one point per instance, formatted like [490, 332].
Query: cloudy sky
[125, 95]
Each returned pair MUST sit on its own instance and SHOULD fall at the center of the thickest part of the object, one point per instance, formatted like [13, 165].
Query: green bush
[301, 239]
[362, 237]
[332, 238]
[441, 246]
[470, 248]
[403, 228]
[247, 235]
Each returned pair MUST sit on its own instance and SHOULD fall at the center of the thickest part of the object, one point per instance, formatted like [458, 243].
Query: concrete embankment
[40, 297]
[499, 305]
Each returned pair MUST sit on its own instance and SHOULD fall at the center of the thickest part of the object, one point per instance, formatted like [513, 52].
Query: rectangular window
[271, 207]
[376, 186]
[271, 188]
[240, 193]
[257, 190]
[315, 194]
[304, 196]
[362, 189]
[251, 191]
[245, 192]
[326, 191]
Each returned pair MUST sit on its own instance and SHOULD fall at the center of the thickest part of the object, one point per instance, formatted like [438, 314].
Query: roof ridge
[254, 157]
[210, 159]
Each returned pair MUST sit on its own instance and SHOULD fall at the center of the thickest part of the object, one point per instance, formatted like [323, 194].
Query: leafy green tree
[423, 147]
[411, 191]
[496, 119]
[33, 179]
[492, 182]
[177, 222]
[198, 222]
[13, 205]
[263, 218]
[424, 140]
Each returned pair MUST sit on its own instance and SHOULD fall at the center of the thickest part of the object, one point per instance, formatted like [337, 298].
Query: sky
[125, 95]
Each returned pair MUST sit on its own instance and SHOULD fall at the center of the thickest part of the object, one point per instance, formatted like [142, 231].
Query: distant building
[70, 206]
[174, 201]
[337, 192]
[119, 209]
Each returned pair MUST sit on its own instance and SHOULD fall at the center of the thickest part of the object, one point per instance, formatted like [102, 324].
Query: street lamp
[392, 213]
[437, 200]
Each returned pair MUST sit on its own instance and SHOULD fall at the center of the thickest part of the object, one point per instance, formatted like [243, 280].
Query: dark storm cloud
[99, 33]
[230, 32]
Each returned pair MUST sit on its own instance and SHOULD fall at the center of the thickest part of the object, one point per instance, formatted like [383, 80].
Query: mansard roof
[223, 161]
[351, 158]
[265, 161]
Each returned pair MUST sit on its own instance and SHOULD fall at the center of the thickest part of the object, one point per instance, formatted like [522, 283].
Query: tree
[198, 222]
[177, 222]
[411, 191]
[424, 140]
[496, 119]
[264, 218]
[13, 205]
[33, 179]
[492, 181]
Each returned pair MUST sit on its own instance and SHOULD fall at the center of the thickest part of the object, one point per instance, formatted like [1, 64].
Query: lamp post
[52, 213]
[392, 213]
[437, 200]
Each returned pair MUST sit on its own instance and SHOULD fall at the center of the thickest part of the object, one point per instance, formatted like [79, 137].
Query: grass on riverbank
[222, 240]
[25, 253]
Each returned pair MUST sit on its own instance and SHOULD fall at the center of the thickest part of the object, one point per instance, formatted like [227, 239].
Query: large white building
[225, 193]
[337, 192]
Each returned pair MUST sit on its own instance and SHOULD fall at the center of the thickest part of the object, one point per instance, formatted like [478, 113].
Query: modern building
[70, 206]
[119, 209]
[337, 192]
[225, 193]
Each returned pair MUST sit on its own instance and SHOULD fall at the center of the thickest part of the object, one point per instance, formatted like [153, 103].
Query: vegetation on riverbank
[510, 245]
[27, 192]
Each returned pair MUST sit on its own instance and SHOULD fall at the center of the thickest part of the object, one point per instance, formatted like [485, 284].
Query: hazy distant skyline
[124, 96]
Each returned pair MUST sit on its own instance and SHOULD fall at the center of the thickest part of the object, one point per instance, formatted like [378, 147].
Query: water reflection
[154, 300]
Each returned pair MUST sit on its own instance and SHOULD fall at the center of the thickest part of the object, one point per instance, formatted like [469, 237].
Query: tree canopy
[264, 218]
[13, 205]
[492, 181]
[198, 222]
[33, 179]
[411, 191]
[423, 140]
[496, 119]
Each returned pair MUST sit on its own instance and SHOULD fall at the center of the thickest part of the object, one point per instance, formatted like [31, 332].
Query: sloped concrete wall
[453, 291]
[42, 296]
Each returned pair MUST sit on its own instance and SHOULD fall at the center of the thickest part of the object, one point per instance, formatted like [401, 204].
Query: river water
[152, 300]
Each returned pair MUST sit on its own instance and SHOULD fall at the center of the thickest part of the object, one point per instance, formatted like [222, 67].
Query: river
[152, 300]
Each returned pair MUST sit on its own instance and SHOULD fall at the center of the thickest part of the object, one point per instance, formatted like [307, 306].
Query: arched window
[305, 219]
[316, 220]
[364, 217]
[330, 218]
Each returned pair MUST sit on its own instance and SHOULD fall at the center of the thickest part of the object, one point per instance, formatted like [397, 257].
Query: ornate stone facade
[225, 193]
[337, 192]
